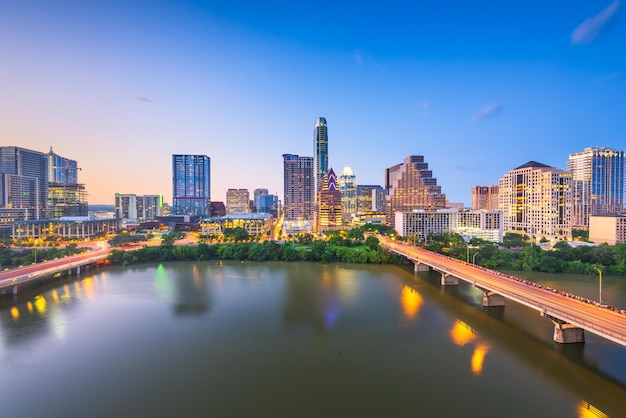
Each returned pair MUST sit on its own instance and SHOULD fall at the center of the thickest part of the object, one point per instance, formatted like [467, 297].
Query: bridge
[570, 314]
[10, 280]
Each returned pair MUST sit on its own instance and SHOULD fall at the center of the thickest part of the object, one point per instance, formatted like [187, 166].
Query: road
[569, 308]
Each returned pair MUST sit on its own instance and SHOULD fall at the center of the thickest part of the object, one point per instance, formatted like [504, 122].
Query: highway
[574, 310]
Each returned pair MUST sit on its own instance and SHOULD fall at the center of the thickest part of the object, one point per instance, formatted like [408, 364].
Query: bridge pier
[420, 267]
[448, 280]
[14, 290]
[492, 299]
[565, 333]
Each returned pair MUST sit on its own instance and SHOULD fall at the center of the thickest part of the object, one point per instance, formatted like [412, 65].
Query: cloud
[591, 28]
[488, 111]
[609, 76]
[144, 99]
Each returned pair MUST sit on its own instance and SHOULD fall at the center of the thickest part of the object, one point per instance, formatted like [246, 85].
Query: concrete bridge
[11, 280]
[570, 314]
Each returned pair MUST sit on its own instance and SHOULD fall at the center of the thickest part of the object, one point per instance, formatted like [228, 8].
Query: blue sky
[478, 88]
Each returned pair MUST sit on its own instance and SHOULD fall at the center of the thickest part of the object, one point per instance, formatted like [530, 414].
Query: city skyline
[478, 89]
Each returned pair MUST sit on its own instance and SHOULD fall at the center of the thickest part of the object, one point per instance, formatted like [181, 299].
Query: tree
[372, 242]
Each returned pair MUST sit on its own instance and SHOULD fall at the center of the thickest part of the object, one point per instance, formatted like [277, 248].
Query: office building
[485, 197]
[347, 187]
[299, 186]
[535, 200]
[320, 146]
[237, 201]
[191, 184]
[410, 186]
[370, 198]
[257, 197]
[597, 184]
[269, 204]
[66, 197]
[330, 206]
[133, 208]
[607, 229]
[24, 182]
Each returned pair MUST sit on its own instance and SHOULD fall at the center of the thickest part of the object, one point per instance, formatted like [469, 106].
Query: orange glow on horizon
[411, 301]
[462, 333]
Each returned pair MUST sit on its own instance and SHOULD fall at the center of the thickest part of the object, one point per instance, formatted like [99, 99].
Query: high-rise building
[410, 185]
[299, 186]
[485, 197]
[320, 146]
[237, 201]
[66, 197]
[257, 198]
[597, 184]
[126, 206]
[131, 207]
[535, 200]
[330, 204]
[269, 204]
[368, 200]
[24, 182]
[347, 186]
[191, 184]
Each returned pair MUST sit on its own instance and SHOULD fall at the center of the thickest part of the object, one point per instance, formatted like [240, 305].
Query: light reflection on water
[241, 330]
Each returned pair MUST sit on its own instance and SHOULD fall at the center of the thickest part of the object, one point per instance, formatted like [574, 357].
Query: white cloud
[591, 28]
[488, 111]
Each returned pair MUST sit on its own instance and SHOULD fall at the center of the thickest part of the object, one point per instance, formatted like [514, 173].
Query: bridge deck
[578, 311]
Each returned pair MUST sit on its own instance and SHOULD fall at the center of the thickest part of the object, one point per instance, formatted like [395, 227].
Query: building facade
[191, 183]
[258, 193]
[320, 148]
[597, 184]
[268, 204]
[607, 229]
[24, 181]
[410, 186]
[133, 208]
[254, 223]
[347, 187]
[370, 198]
[535, 200]
[485, 197]
[330, 204]
[237, 201]
[299, 186]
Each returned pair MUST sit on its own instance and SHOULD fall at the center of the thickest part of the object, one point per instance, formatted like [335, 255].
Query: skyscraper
[597, 184]
[257, 198]
[411, 185]
[24, 184]
[347, 186]
[535, 200]
[299, 185]
[320, 146]
[66, 197]
[329, 204]
[237, 201]
[485, 197]
[191, 183]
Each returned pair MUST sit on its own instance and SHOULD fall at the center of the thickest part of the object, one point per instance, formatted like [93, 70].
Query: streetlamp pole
[600, 274]
[474, 257]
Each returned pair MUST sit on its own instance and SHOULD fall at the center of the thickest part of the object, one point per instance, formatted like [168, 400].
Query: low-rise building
[253, 223]
[70, 228]
[609, 229]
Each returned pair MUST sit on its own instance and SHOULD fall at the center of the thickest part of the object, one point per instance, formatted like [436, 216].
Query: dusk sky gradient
[478, 88]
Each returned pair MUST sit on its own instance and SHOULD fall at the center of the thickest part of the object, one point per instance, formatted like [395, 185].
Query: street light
[474, 257]
[600, 274]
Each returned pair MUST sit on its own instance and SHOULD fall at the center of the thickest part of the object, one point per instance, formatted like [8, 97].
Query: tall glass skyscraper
[191, 182]
[24, 181]
[598, 184]
[320, 144]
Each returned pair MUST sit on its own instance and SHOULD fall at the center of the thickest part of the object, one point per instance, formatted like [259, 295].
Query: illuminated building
[253, 223]
[483, 224]
[77, 228]
[237, 201]
[320, 146]
[330, 206]
[535, 200]
[369, 217]
[133, 208]
[410, 185]
[24, 182]
[299, 186]
[347, 187]
[485, 197]
[370, 198]
[258, 193]
[191, 182]
[597, 184]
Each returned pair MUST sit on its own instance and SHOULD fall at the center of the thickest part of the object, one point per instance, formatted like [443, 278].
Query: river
[229, 339]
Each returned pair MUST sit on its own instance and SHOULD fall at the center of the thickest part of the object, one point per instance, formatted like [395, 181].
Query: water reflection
[586, 410]
[462, 334]
[411, 301]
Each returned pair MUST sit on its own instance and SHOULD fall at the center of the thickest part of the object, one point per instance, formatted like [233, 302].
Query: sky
[477, 88]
